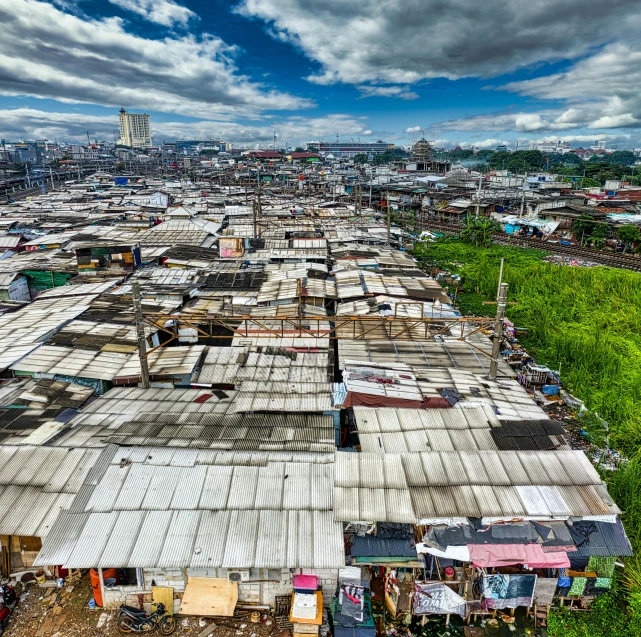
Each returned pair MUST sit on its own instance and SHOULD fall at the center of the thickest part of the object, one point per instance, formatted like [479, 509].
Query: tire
[124, 626]
[167, 625]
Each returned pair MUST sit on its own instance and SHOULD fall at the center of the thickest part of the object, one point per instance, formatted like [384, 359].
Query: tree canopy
[629, 235]
[478, 231]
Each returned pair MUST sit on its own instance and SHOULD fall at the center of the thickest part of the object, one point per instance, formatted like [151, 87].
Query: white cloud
[45, 52]
[601, 91]
[165, 12]
[400, 92]
[404, 42]
[365, 133]
[414, 129]
[37, 124]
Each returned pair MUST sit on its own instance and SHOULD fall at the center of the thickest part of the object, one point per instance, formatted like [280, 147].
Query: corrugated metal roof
[459, 483]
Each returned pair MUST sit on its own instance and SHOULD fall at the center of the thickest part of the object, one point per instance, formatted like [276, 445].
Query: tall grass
[585, 321]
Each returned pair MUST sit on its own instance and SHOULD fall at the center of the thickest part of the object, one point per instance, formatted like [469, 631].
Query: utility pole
[478, 196]
[523, 195]
[257, 211]
[389, 220]
[501, 302]
[51, 175]
[140, 332]
[254, 206]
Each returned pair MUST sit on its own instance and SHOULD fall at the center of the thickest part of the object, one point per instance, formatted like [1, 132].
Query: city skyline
[242, 71]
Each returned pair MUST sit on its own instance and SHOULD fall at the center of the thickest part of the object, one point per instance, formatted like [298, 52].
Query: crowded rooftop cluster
[258, 386]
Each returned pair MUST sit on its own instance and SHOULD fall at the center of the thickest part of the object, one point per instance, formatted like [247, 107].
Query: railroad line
[614, 260]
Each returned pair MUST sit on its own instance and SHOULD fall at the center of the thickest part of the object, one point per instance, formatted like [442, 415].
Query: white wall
[252, 592]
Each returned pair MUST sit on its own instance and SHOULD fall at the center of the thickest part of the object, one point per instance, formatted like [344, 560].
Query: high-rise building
[135, 129]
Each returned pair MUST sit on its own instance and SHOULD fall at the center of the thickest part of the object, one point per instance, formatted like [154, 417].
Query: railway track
[624, 261]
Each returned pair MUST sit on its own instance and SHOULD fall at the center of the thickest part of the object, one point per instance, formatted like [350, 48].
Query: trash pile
[560, 259]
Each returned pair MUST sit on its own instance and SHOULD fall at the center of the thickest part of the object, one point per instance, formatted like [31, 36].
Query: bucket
[41, 578]
[449, 574]
[255, 617]
[107, 573]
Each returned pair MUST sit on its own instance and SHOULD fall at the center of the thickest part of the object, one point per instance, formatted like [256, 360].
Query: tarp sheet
[434, 598]
[460, 553]
[489, 555]
[508, 591]
[358, 399]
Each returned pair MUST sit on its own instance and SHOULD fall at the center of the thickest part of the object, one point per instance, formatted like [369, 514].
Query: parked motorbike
[8, 601]
[133, 620]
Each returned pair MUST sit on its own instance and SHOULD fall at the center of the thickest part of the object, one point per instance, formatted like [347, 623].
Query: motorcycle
[8, 601]
[133, 620]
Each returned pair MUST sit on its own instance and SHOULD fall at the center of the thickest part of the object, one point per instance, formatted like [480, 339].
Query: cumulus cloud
[400, 92]
[602, 89]
[414, 129]
[37, 124]
[164, 12]
[403, 42]
[365, 133]
[48, 53]
[600, 92]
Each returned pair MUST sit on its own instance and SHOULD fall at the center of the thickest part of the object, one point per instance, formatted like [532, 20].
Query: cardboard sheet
[209, 596]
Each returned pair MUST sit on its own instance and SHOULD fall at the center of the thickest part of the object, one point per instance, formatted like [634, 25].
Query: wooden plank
[209, 596]
[163, 595]
[208, 630]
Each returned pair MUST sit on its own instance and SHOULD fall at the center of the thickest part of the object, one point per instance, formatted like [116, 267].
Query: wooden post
[102, 586]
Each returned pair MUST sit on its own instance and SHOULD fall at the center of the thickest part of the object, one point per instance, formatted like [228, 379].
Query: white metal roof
[36, 483]
[505, 484]
[153, 507]
[410, 430]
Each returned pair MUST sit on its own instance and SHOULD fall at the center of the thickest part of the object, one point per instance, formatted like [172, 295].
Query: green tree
[621, 157]
[499, 160]
[629, 235]
[571, 159]
[583, 226]
[590, 182]
[478, 231]
[299, 149]
[361, 158]
[485, 154]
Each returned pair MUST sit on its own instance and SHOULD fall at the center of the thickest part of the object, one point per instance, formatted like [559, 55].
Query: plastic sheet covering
[508, 591]
[434, 598]
[486, 556]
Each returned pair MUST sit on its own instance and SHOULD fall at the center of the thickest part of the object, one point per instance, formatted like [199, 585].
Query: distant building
[262, 154]
[422, 159]
[84, 153]
[135, 129]
[349, 149]
[194, 146]
[557, 146]
[27, 152]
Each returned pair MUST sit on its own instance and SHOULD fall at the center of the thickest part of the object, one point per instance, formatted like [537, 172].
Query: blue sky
[465, 72]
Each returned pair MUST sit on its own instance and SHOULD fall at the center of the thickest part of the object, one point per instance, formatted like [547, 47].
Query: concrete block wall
[258, 590]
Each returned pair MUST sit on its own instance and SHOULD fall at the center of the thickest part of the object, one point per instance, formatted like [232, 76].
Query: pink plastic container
[305, 583]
